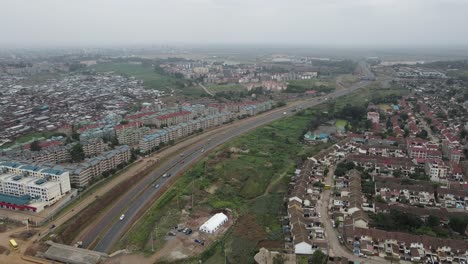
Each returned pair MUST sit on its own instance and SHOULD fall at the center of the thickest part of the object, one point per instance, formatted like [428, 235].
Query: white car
[284, 113]
[122, 217]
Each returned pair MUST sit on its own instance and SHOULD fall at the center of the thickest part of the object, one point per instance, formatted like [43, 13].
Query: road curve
[138, 196]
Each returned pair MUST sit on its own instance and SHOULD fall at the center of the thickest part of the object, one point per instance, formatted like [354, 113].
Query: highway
[109, 229]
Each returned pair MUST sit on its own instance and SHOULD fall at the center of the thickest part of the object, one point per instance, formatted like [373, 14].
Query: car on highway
[202, 150]
[165, 175]
[122, 217]
[156, 186]
[183, 161]
[284, 113]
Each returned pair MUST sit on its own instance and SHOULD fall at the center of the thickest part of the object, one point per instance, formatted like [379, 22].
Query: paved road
[135, 199]
[336, 249]
[206, 89]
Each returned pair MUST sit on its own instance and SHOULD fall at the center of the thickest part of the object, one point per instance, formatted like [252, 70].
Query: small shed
[214, 223]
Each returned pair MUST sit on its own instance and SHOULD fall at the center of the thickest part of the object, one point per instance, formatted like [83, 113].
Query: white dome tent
[214, 223]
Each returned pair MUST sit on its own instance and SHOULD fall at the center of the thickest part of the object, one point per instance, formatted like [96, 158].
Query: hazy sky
[318, 22]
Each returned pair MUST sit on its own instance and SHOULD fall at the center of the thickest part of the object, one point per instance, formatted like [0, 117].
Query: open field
[340, 123]
[384, 107]
[151, 79]
[225, 87]
[318, 84]
[28, 137]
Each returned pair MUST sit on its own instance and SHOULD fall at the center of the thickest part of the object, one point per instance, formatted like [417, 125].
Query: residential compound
[29, 187]
[55, 151]
[410, 164]
[82, 173]
[305, 230]
[248, 75]
[153, 140]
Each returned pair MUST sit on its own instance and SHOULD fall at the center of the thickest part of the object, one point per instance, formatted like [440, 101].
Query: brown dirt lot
[180, 246]
[24, 235]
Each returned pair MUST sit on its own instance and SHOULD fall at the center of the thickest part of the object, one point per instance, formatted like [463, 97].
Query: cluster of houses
[304, 231]
[403, 246]
[248, 75]
[424, 193]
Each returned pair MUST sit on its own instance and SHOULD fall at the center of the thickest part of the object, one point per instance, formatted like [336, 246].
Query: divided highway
[135, 199]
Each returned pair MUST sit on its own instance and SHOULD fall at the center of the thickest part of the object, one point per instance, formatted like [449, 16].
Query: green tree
[463, 134]
[77, 153]
[433, 221]
[35, 146]
[318, 257]
[278, 259]
[458, 223]
[397, 173]
[75, 136]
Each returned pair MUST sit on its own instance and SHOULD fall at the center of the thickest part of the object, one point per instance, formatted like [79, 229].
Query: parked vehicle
[13, 244]
[187, 231]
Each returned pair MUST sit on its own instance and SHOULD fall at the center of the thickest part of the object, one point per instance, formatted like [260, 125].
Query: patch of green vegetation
[151, 78]
[225, 87]
[300, 259]
[341, 123]
[458, 74]
[28, 138]
[301, 86]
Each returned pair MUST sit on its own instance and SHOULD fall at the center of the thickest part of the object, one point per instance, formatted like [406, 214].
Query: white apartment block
[42, 186]
[437, 171]
[81, 174]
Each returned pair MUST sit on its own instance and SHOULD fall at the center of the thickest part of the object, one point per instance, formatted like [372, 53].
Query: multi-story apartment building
[29, 187]
[80, 175]
[93, 147]
[437, 170]
[131, 133]
[174, 118]
[150, 141]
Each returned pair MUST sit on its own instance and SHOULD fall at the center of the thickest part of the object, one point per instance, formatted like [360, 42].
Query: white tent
[214, 223]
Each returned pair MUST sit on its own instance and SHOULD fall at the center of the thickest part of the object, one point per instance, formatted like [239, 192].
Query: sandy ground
[16, 256]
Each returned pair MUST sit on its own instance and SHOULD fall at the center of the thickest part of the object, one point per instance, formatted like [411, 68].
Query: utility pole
[152, 242]
[193, 189]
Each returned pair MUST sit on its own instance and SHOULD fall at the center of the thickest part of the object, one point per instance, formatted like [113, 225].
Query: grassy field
[318, 84]
[340, 123]
[459, 74]
[225, 87]
[248, 175]
[384, 107]
[151, 79]
[27, 138]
